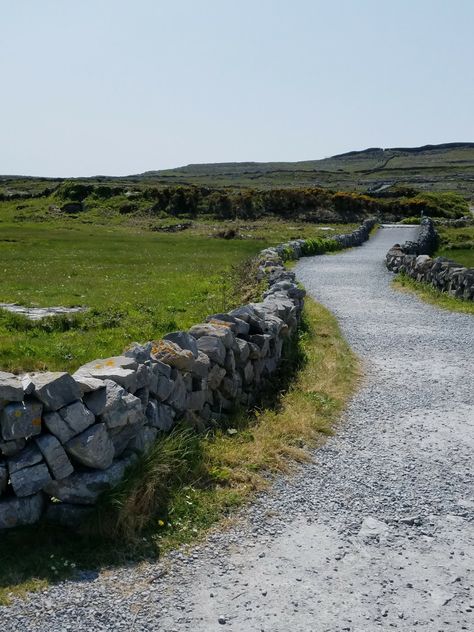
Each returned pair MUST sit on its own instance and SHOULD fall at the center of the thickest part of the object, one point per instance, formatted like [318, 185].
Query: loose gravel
[375, 534]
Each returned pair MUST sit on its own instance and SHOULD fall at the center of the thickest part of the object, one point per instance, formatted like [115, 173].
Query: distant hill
[449, 166]
[446, 167]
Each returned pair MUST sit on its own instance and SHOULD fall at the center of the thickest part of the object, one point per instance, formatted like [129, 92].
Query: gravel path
[374, 535]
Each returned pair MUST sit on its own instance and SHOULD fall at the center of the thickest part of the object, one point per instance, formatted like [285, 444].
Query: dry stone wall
[64, 439]
[413, 259]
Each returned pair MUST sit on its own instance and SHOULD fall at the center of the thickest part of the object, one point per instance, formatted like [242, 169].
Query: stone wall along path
[375, 534]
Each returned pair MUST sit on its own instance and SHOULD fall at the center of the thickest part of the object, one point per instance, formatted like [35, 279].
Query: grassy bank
[188, 483]
[431, 295]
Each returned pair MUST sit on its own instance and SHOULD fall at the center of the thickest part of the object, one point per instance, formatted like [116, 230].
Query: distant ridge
[412, 150]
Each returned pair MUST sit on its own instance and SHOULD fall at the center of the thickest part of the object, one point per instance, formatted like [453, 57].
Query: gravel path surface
[376, 534]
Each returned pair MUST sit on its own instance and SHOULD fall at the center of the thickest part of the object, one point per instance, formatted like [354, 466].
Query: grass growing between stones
[190, 482]
[431, 295]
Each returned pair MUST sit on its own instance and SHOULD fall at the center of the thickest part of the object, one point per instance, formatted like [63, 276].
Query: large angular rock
[3, 477]
[183, 340]
[83, 488]
[11, 388]
[221, 331]
[119, 369]
[92, 447]
[238, 326]
[144, 376]
[89, 384]
[20, 419]
[213, 347]
[69, 421]
[122, 436]
[160, 415]
[170, 353]
[55, 390]
[241, 351]
[201, 366]
[160, 368]
[162, 387]
[115, 406]
[30, 480]
[104, 399]
[15, 512]
[178, 396]
[140, 353]
[26, 458]
[143, 440]
[55, 456]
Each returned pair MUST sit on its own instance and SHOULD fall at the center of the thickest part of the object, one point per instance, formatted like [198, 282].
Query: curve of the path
[375, 534]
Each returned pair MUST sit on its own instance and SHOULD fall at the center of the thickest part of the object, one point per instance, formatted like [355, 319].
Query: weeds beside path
[431, 295]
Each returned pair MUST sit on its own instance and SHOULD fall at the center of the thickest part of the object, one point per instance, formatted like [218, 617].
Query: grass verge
[189, 482]
[431, 295]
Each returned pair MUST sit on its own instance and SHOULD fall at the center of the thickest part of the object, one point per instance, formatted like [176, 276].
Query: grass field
[457, 244]
[190, 482]
[137, 283]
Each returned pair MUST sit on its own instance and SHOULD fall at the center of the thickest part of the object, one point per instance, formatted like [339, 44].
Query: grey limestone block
[121, 408]
[122, 436]
[15, 512]
[55, 456]
[20, 419]
[223, 332]
[170, 353]
[92, 447]
[31, 455]
[163, 387]
[55, 390]
[178, 396]
[77, 418]
[30, 480]
[11, 387]
[140, 353]
[143, 440]
[213, 347]
[183, 340]
[83, 488]
[160, 415]
[237, 325]
[160, 368]
[119, 369]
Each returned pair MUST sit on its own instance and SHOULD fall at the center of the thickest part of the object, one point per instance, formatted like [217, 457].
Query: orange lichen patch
[165, 348]
[220, 323]
[36, 421]
[110, 363]
[18, 413]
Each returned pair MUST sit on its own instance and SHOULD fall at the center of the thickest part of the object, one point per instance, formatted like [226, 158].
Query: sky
[118, 87]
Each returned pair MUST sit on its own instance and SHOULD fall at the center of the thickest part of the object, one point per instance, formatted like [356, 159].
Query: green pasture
[137, 283]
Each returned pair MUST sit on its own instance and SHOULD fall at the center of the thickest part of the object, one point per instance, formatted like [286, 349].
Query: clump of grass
[189, 482]
[430, 294]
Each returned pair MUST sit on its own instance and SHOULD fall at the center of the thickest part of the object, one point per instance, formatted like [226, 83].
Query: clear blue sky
[124, 86]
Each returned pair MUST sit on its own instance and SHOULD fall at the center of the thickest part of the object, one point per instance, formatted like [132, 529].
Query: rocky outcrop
[413, 259]
[64, 439]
